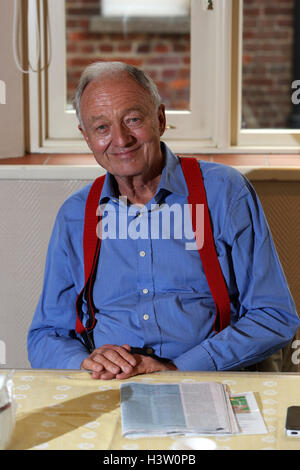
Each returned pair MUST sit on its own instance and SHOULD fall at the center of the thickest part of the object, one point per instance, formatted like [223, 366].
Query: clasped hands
[116, 362]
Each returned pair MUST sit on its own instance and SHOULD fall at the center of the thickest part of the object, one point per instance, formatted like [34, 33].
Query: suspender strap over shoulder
[207, 251]
[91, 250]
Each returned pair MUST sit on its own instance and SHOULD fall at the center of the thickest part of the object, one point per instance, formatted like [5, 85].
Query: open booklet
[182, 408]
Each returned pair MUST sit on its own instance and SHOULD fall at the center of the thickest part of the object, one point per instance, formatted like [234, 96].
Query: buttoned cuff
[197, 359]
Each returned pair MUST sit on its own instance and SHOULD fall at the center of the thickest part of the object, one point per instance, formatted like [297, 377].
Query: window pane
[159, 44]
[267, 70]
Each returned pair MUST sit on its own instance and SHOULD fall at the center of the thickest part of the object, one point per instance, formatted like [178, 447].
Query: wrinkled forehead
[114, 92]
[115, 84]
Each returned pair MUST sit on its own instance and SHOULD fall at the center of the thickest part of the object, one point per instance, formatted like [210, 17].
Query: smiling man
[154, 305]
[122, 125]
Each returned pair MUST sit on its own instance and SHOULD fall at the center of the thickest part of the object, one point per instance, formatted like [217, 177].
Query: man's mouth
[125, 153]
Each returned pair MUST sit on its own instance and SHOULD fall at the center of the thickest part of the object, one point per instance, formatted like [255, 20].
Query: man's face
[122, 127]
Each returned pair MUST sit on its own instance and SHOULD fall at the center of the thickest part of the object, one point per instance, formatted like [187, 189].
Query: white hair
[100, 69]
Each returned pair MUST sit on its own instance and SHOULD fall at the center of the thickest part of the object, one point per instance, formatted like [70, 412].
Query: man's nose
[121, 135]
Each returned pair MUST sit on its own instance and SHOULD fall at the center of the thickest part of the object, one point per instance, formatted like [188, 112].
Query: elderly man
[154, 309]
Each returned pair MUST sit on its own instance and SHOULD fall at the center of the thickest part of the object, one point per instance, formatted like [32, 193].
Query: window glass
[156, 40]
[267, 67]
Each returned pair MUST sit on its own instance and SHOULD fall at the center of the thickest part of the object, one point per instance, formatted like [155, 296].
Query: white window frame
[53, 128]
[214, 123]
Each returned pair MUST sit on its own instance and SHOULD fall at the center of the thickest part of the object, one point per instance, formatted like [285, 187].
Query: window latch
[208, 4]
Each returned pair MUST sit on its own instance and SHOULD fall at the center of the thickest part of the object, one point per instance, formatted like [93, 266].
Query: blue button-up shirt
[150, 289]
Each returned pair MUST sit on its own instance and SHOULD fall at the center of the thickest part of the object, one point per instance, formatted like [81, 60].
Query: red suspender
[211, 266]
[91, 249]
[90, 237]
[208, 254]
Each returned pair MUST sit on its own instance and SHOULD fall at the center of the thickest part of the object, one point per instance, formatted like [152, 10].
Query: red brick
[124, 47]
[169, 73]
[180, 84]
[279, 11]
[162, 48]
[106, 48]
[163, 60]
[79, 61]
[143, 48]
[83, 11]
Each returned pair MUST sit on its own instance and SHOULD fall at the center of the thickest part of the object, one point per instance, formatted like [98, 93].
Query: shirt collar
[172, 178]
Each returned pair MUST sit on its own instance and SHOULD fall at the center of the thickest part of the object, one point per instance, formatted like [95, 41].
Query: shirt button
[149, 351]
[145, 291]
[146, 317]
[142, 253]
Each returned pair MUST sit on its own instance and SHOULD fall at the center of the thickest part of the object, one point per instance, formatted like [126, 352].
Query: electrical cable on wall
[16, 37]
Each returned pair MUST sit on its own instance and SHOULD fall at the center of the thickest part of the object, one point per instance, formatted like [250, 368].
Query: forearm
[251, 339]
[50, 350]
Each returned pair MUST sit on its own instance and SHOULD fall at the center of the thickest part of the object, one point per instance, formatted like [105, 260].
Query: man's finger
[123, 351]
[114, 359]
[90, 364]
[110, 360]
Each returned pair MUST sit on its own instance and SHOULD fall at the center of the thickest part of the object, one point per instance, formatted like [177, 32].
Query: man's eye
[133, 121]
[102, 128]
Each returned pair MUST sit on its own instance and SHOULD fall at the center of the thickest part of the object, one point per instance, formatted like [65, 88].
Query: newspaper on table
[176, 409]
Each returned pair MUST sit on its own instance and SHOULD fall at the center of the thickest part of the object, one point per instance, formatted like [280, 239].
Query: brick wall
[267, 62]
[166, 57]
[267, 58]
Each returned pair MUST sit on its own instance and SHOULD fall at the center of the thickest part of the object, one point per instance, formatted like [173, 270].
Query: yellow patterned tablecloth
[68, 410]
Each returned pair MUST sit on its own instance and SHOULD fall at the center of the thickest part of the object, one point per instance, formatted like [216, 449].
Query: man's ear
[85, 136]
[162, 118]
